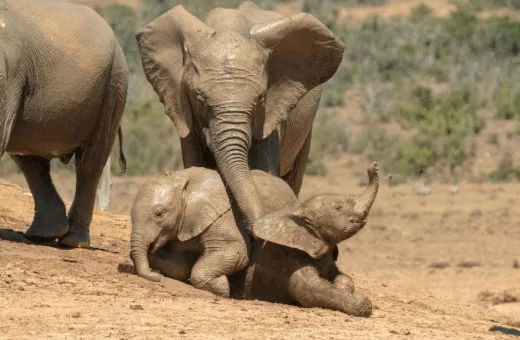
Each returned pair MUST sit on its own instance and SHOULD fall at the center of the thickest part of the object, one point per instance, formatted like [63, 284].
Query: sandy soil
[437, 266]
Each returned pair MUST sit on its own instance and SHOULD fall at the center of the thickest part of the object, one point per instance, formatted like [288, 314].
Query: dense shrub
[506, 170]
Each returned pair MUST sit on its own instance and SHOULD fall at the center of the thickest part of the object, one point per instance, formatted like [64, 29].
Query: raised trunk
[140, 242]
[366, 199]
[230, 138]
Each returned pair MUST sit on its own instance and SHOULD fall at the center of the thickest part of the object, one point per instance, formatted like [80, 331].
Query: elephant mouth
[355, 223]
[158, 244]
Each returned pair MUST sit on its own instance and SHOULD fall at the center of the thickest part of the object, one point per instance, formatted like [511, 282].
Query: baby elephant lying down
[183, 225]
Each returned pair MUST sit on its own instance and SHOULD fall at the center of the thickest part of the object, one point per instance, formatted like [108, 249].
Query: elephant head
[173, 206]
[318, 224]
[236, 77]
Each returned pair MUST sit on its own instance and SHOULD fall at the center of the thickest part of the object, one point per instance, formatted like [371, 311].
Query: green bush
[150, 144]
[506, 170]
[493, 139]
[315, 167]
[329, 137]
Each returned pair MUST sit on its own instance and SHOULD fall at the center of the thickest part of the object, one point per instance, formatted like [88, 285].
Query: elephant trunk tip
[372, 170]
[367, 198]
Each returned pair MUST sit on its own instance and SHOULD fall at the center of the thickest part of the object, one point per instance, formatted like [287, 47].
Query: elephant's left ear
[303, 54]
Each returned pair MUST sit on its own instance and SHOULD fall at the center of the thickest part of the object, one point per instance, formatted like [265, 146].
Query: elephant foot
[77, 237]
[47, 230]
[218, 286]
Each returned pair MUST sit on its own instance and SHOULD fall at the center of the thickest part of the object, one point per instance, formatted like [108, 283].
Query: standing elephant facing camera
[63, 87]
[242, 88]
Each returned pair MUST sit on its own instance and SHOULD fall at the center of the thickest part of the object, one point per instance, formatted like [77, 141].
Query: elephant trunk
[230, 139]
[140, 242]
[365, 201]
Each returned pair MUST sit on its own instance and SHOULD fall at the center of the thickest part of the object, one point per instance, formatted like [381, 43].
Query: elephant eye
[158, 213]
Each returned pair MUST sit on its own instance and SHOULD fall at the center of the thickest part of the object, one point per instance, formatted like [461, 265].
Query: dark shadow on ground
[504, 330]
[19, 237]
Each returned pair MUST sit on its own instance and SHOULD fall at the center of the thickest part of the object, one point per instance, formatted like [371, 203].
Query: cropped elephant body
[184, 225]
[63, 86]
[243, 89]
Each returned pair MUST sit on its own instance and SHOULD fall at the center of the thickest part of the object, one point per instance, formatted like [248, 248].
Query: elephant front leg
[294, 178]
[265, 154]
[310, 290]
[172, 262]
[211, 270]
[50, 219]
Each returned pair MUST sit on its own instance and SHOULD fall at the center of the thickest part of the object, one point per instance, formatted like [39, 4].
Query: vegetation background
[429, 90]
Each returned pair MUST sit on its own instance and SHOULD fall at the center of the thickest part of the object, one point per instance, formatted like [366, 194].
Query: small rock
[182, 332]
[394, 332]
[75, 315]
[406, 333]
[453, 189]
[468, 264]
[516, 264]
[136, 307]
[439, 265]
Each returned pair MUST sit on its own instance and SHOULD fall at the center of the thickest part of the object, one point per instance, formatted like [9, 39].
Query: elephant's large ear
[303, 54]
[163, 45]
[290, 230]
[207, 200]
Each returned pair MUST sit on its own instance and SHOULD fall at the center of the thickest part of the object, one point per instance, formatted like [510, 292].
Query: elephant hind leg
[50, 218]
[92, 157]
[294, 178]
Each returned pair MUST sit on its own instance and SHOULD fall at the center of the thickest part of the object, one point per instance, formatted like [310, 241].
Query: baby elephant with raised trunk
[184, 225]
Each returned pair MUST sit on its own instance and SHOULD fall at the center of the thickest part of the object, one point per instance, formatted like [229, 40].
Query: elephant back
[275, 193]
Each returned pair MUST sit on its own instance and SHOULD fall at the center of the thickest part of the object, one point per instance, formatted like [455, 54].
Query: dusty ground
[432, 266]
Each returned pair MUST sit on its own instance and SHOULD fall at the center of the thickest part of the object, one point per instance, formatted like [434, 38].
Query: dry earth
[437, 266]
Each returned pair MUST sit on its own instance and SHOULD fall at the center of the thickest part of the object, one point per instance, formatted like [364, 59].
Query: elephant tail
[122, 158]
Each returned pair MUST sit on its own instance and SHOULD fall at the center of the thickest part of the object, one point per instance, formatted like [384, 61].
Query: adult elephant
[63, 86]
[242, 88]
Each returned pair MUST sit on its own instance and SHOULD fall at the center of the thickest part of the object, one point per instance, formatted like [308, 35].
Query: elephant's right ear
[163, 45]
[290, 230]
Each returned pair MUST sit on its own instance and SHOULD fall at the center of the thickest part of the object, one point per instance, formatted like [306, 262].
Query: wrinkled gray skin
[63, 87]
[243, 89]
[181, 227]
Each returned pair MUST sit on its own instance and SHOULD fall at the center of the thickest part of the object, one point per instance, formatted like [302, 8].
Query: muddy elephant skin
[242, 88]
[183, 225]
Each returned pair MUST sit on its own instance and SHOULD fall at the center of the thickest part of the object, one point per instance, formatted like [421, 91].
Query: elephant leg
[310, 290]
[211, 270]
[265, 154]
[50, 215]
[92, 157]
[192, 152]
[173, 263]
[294, 178]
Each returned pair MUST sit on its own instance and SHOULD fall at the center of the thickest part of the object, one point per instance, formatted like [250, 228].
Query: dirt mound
[52, 293]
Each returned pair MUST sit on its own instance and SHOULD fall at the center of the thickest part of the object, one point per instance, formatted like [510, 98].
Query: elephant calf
[184, 225]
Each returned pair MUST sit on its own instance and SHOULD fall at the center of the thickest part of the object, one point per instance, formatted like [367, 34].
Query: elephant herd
[242, 88]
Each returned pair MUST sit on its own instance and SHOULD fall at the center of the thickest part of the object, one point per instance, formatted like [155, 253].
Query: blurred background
[427, 88]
